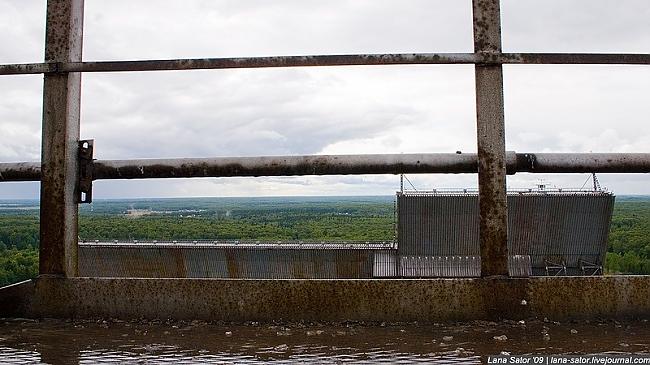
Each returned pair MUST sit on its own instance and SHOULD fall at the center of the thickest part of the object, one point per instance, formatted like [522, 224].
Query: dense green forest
[629, 238]
[313, 218]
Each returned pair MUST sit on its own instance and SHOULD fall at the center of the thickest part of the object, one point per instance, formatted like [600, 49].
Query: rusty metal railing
[67, 169]
[327, 60]
[430, 163]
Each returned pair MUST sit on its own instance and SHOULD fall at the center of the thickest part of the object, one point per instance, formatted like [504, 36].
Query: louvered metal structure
[237, 259]
[549, 233]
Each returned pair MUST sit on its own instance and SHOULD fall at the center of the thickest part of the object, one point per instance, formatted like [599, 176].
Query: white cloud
[574, 26]
[387, 109]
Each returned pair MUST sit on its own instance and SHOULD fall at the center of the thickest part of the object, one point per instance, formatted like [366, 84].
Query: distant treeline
[357, 220]
[267, 228]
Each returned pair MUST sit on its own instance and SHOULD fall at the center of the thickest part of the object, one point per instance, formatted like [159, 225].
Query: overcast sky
[386, 109]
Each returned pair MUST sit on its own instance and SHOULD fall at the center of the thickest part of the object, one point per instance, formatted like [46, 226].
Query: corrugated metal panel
[204, 261]
[566, 229]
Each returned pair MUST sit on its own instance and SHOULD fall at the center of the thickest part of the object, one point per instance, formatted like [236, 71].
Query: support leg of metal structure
[493, 228]
[60, 149]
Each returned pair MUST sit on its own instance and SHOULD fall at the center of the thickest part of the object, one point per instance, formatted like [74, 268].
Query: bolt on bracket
[86, 169]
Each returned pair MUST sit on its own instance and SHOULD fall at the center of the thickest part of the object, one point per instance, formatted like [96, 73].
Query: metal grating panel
[562, 229]
[437, 225]
[520, 266]
[544, 229]
[440, 266]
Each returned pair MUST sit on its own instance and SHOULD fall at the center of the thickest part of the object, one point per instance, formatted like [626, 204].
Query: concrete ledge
[425, 300]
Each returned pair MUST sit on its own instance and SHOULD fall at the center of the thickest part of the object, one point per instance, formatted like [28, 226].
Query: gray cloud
[246, 113]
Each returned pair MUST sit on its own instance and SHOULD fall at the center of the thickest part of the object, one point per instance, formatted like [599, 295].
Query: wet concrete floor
[142, 341]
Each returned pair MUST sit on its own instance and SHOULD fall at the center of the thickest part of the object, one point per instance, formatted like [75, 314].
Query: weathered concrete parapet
[590, 297]
[425, 300]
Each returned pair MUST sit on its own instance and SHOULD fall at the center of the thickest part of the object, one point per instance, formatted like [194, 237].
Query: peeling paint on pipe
[20, 171]
[288, 166]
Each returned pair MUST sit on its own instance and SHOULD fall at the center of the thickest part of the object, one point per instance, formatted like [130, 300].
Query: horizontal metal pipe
[327, 60]
[576, 58]
[583, 162]
[27, 68]
[286, 166]
[20, 171]
[278, 61]
[443, 163]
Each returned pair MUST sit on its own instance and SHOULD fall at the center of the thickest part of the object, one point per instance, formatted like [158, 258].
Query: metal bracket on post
[85, 182]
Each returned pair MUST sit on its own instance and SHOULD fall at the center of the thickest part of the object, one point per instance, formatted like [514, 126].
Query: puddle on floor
[142, 341]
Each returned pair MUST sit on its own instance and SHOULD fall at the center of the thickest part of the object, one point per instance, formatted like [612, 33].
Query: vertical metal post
[491, 141]
[60, 148]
